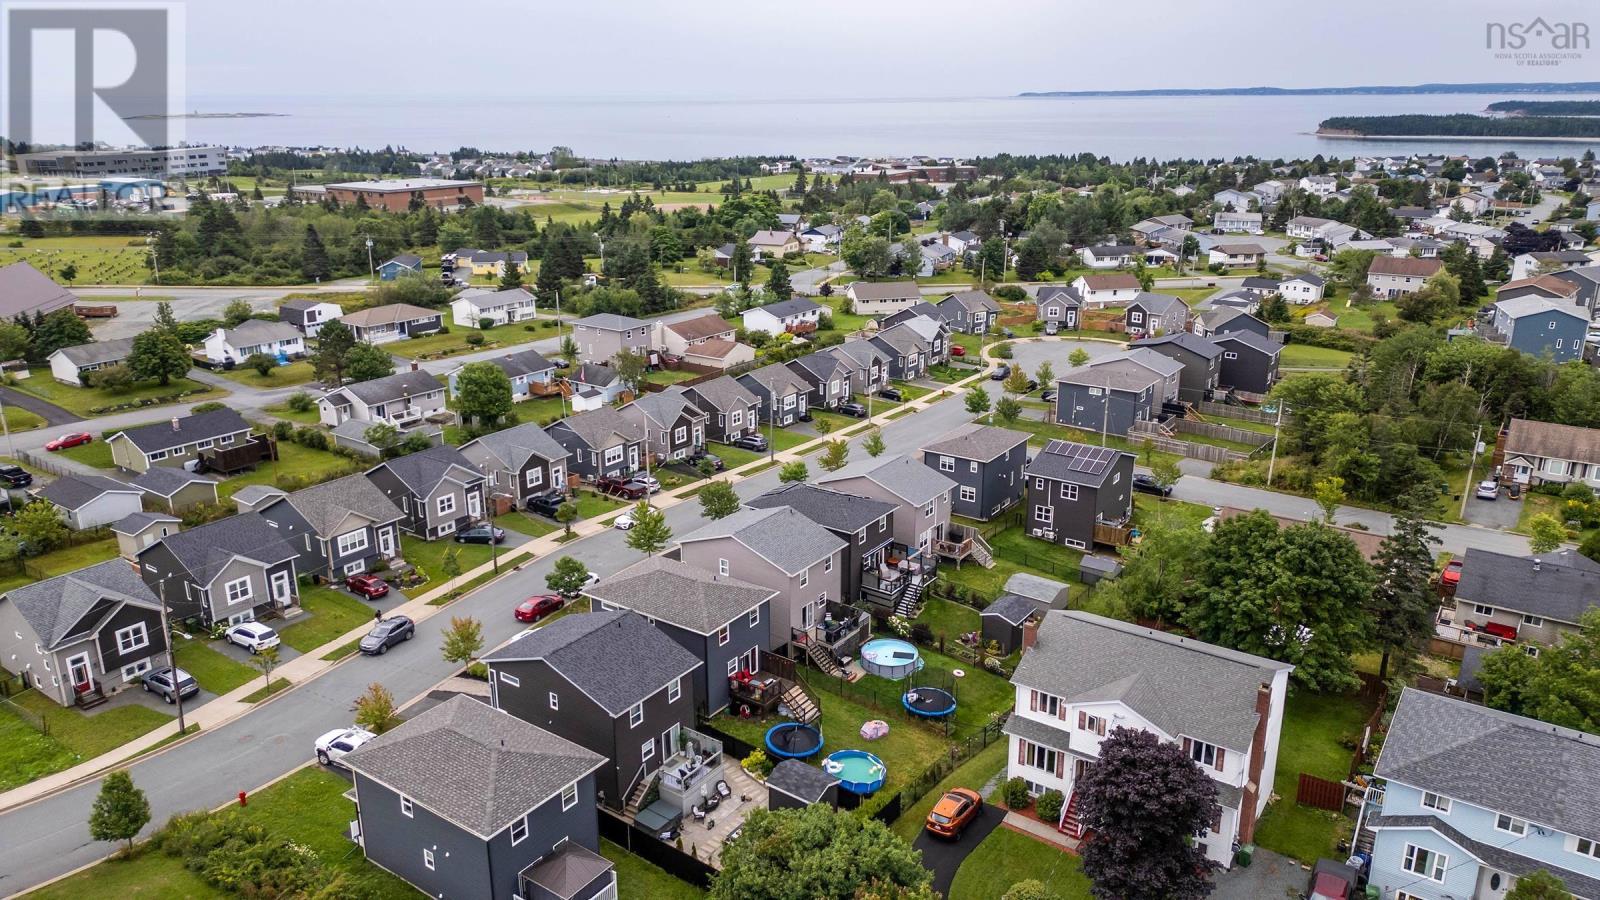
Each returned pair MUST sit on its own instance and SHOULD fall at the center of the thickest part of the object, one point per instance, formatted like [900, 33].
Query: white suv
[252, 636]
[332, 746]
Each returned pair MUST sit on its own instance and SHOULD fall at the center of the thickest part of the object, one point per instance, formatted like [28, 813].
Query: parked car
[1001, 373]
[387, 633]
[547, 503]
[1147, 484]
[621, 487]
[332, 746]
[1032, 386]
[169, 683]
[1488, 489]
[482, 533]
[1007, 333]
[853, 409]
[1048, 396]
[15, 476]
[590, 581]
[890, 393]
[703, 453]
[956, 810]
[367, 585]
[627, 520]
[1451, 576]
[252, 636]
[1333, 880]
[750, 442]
[648, 481]
[957, 350]
[535, 608]
[75, 439]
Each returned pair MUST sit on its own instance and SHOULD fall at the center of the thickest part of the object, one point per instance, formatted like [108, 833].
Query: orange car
[954, 812]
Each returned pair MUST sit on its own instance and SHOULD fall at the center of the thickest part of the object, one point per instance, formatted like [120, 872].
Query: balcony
[691, 773]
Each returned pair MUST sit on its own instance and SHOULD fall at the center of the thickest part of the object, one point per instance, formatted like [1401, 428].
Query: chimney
[1258, 753]
[1030, 632]
[175, 425]
[415, 365]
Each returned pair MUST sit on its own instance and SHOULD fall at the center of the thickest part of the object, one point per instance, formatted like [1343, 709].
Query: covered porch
[894, 577]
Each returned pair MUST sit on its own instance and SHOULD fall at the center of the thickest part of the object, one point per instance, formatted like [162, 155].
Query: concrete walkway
[1040, 831]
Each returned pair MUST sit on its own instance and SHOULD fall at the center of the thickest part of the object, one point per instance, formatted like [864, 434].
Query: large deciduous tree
[365, 362]
[819, 853]
[158, 355]
[1560, 686]
[483, 392]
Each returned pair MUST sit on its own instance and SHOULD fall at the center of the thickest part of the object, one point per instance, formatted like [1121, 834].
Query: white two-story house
[1086, 676]
[401, 399]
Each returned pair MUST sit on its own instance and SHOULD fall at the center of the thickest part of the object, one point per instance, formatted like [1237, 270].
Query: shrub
[758, 763]
[312, 437]
[1010, 292]
[300, 401]
[1048, 805]
[1003, 350]
[1015, 793]
[485, 323]
[212, 406]
[1029, 889]
[921, 633]
[283, 431]
[110, 378]
[478, 670]
[475, 338]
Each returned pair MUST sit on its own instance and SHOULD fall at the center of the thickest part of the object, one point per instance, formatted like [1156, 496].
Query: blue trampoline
[929, 702]
[858, 771]
[792, 740]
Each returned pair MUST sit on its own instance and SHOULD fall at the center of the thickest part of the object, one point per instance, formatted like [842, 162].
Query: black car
[750, 442]
[481, 534]
[890, 393]
[804, 415]
[387, 633]
[853, 409]
[1048, 396]
[1001, 373]
[547, 503]
[1032, 386]
[1146, 484]
[15, 476]
[702, 453]
[161, 682]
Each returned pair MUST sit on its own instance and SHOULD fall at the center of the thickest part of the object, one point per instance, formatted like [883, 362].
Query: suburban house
[26, 290]
[1237, 199]
[795, 315]
[773, 244]
[1537, 326]
[139, 530]
[1529, 265]
[782, 393]
[530, 373]
[821, 238]
[674, 428]
[601, 337]
[520, 462]
[501, 307]
[607, 681]
[402, 399]
[1548, 287]
[89, 501]
[341, 527]
[1474, 798]
[1249, 362]
[1072, 488]
[231, 570]
[935, 335]
[1058, 308]
[1235, 255]
[1238, 298]
[1531, 600]
[438, 490]
[602, 442]
[985, 463]
[175, 443]
[1108, 256]
[1107, 399]
[867, 363]
[1302, 289]
[179, 490]
[1201, 360]
[1086, 676]
[907, 352]
[1308, 228]
[1535, 453]
[1392, 276]
[679, 338]
[866, 525]
[463, 799]
[782, 550]
[969, 312]
[921, 497]
[828, 377]
[78, 637]
[719, 354]
[595, 386]
[1099, 291]
[229, 347]
[1152, 315]
[880, 298]
[1222, 319]
[471, 261]
[1233, 222]
[391, 322]
[721, 621]
[69, 364]
[404, 264]
[309, 315]
[732, 410]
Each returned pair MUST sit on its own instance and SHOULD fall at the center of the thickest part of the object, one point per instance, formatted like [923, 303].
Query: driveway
[49, 412]
[943, 857]
[1268, 875]
[1502, 513]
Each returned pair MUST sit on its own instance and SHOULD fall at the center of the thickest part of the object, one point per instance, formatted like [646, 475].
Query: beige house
[178, 441]
[882, 298]
[677, 337]
[1392, 276]
[773, 244]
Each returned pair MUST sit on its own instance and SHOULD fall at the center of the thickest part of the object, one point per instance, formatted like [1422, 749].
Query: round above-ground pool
[858, 771]
[791, 740]
[890, 658]
[930, 702]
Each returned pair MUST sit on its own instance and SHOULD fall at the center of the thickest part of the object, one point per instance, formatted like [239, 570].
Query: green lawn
[19, 419]
[456, 340]
[97, 259]
[217, 672]
[1314, 725]
[82, 401]
[971, 774]
[640, 879]
[530, 524]
[25, 754]
[1006, 857]
[328, 614]
[294, 463]
[96, 453]
[948, 618]
[282, 411]
[670, 376]
[429, 556]
[734, 457]
[1307, 356]
[591, 504]
[283, 376]
[72, 736]
[978, 693]
[64, 560]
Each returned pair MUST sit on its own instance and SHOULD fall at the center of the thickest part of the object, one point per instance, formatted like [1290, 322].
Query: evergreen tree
[334, 342]
[165, 320]
[314, 263]
[778, 282]
[1403, 600]
[512, 277]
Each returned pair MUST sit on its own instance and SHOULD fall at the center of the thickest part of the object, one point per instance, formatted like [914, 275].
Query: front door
[633, 459]
[282, 588]
[748, 661]
[1079, 767]
[386, 542]
[80, 671]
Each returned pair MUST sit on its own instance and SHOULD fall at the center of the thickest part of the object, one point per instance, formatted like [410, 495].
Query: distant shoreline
[1524, 138]
[1490, 87]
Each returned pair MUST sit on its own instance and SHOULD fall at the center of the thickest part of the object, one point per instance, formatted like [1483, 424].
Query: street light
[371, 269]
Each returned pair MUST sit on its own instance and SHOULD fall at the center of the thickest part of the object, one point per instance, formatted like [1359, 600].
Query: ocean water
[1121, 128]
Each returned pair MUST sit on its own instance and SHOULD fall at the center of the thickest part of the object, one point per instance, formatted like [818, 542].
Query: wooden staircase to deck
[636, 797]
[823, 658]
[910, 604]
[1071, 825]
[801, 706]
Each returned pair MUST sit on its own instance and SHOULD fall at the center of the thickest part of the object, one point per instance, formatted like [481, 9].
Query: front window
[1203, 753]
[680, 434]
[947, 464]
[1436, 803]
[237, 591]
[1510, 825]
[613, 455]
[446, 504]
[1425, 862]
[569, 796]
[533, 477]
[1069, 492]
[352, 541]
[1040, 757]
[1482, 609]
[636, 715]
[755, 617]
[132, 638]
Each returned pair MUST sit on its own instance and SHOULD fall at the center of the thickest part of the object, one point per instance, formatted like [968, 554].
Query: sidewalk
[1040, 831]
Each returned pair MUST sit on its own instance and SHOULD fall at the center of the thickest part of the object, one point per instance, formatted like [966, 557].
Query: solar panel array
[1082, 457]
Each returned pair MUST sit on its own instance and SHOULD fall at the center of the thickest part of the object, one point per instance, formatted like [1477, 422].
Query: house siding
[997, 484]
[1073, 521]
[1082, 406]
[1251, 371]
[790, 606]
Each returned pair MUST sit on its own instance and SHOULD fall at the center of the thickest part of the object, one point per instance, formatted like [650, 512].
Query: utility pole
[172, 659]
[1105, 416]
[1273, 460]
[1477, 441]
[372, 270]
[5, 426]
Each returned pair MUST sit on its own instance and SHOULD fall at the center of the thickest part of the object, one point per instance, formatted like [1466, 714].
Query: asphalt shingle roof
[611, 322]
[680, 594]
[801, 781]
[99, 353]
[24, 289]
[616, 658]
[474, 765]
[782, 536]
[902, 476]
[1249, 339]
[777, 378]
[54, 607]
[159, 436]
[1189, 341]
[422, 471]
[833, 510]
[791, 307]
[391, 387]
[1036, 587]
[978, 442]
[869, 291]
[1158, 304]
[251, 332]
[974, 301]
[389, 314]
[1548, 440]
[325, 506]
[724, 393]
[514, 445]
[1180, 685]
[1011, 608]
[133, 523]
[523, 362]
[205, 550]
[664, 408]
[1548, 588]
[600, 428]
[164, 481]
[73, 491]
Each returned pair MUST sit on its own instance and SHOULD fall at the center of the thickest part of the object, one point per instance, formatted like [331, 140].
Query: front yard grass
[640, 879]
[591, 504]
[529, 524]
[328, 614]
[1006, 857]
[81, 400]
[96, 453]
[19, 419]
[72, 738]
[298, 372]
[1314, 727]
[429, 556]
[734, 457]
[294, 465]
[282, 411]
[216, 671]
[1309, 357]
[437, 345]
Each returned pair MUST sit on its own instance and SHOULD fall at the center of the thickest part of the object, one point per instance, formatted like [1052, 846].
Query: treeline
[1464, 125]
[387, 161]
[1548, 107]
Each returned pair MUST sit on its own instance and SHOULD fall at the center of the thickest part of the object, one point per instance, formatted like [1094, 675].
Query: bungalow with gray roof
[69, 365]
[403, 399]
[229, 347]
[530, 373]
[521, 462]
[228, 571]
[179, 490]
[178, 441]
[90, 501]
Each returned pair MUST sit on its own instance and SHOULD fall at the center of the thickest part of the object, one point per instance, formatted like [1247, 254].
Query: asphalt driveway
[1501, 513]
[943, 857]
[1268, 875]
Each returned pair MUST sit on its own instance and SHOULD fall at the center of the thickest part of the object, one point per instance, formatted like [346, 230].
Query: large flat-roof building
[395, 195]
[188, 162]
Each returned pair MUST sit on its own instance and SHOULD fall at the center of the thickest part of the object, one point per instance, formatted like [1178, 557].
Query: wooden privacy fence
[1206, 452]
[1248, 414]
[1319, 793]
[1224, 432]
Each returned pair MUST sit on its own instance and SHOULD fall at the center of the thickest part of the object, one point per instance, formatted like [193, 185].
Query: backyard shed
[1094, 569]
[796, 785]
[1046, 593]
[1003, 620]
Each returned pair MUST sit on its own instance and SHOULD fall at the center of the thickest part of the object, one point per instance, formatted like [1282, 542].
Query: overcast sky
[710, 49]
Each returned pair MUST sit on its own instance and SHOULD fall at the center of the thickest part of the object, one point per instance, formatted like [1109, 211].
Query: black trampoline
[929, 702]
[792, 740]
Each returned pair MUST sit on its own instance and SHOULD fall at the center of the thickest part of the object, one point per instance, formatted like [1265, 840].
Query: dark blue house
[1536, 326]
[467, 801]
[985, 463]
[404, 264]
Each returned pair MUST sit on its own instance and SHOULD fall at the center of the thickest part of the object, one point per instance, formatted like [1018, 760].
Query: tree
[1159, 575]
[1539, 885]
[1017, 382]
[567, 577]
[511, 278]
[1008, 410]
[1403, 600]
[873, 443]
[263, 363]
[718, 500]
[463, 640]
[265, 659]
[569, 348]
[1143, 802]
[650, 532]
[1078, 358]
[16, 342]
[1557, 686]
[819, 853]
[1165, 471]
[631, 368]
[120, 810]
[314, 263]
[383, 436]
[483, 393]
[835, 455]
[237, 311]
[61, 328]
[365, 362]
[375, 710]
[566, 514]
[450, 566]
[1045, 374]
[977, 401]
[40, 526]
[778, 282]
[159, 355]
[793, 471]
[1329, 494]
[334, 342]
[1545, 533]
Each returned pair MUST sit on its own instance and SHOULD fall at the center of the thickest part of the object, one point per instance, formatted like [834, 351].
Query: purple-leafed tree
[1144, 803]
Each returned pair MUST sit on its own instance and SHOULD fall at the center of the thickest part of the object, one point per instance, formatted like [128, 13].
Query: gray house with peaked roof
[84, 635]
[69, 365]
[674, 428]
[828, 377]
[338, 528]
[721, 620]
[176, 489]
[402, 399]
[782, 393]
[1249, 362]
[1222, 319]
[1201, 360]
[971, 312]
[601, 337]
[530, 373]
[607, 681]
[907, 351]
[520, 462]
[1059, 308]
[465, 800]
[231, 570]
[141, 529]
[732, 410]
[602, 442]
[985, 463]
[1538, 597]
[89, 501]
[1074, 487]
[438, 490]
[178, 441]
[921, 497]
[1108, 399]
[865, 524]
[866, 362]
[1156, 314]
